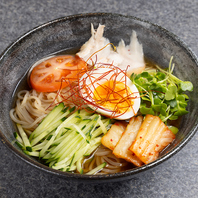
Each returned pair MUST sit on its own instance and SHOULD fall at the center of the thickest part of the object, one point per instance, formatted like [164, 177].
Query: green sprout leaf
[145, 110]
[162, 93]
[186, 86]
[171, 92]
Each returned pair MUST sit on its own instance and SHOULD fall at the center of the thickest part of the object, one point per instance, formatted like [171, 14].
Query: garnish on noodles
[82, 114]
[110, 92]
[47, 76]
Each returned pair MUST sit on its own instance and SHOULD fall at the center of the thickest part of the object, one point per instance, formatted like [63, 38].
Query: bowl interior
[67, 35]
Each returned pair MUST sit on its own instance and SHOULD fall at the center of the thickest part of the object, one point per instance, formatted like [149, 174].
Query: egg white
[88, 82]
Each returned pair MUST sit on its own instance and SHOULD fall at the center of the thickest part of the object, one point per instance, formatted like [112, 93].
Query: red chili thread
[75, 98]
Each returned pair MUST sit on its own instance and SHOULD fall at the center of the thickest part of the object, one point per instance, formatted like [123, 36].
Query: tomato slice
[57, 72]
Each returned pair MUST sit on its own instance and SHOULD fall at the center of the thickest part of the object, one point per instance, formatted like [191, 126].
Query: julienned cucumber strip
[78, 155]
[24, 138]
[48, 119]
[39, 146]
[51, 126]
[67, 154]
[20, 145]
[72, 168]
[72, 147]
[58, 140]
[79, 165]
[64, 137]
[97, 169]
[90, 150]
[104, 130]
[74, 140]
[66, 148]
[99, 131]
[81, 152]
[69, 158]
[18, 138]
[44, 134]
[33, 153]
[64, 124]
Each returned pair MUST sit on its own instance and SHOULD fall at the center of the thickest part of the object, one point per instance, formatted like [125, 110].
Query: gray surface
[177, 177]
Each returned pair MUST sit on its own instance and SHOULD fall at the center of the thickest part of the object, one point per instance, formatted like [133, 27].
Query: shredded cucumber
[47, 120]
[97, 169]
[79, 165]
[64, 138]
[24, 137]
[20, 145]
[33, 153]
[18, 138]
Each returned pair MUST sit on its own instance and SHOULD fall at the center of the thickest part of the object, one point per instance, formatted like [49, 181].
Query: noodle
[103, 154]
[32, 107]
[30, 110]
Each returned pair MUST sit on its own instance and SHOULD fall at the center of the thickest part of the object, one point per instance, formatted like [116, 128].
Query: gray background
[177, 177]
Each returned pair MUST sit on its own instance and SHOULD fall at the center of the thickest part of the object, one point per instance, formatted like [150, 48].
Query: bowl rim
[109, 177]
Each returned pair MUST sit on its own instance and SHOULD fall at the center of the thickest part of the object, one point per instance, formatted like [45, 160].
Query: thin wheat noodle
[112, 156]
[36, 100]
[21, 94]
[22, 113]
[28, 132]
[108, 171]
[36, 110]
[102, 160]
[29, 112]
[102, 152]
[91, 166]
[25, 98]
[108, 159]
[13, 116]
[34, 92]
[30, 109]
[34, 124]
[113, 165]
[98, 161]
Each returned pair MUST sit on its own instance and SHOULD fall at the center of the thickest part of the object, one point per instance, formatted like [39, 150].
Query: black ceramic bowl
[69, 33]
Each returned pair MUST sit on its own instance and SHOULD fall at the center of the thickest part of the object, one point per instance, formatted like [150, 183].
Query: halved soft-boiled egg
[108, 91]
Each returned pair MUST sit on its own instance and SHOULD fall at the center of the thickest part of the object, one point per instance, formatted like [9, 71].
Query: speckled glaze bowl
[69, 33]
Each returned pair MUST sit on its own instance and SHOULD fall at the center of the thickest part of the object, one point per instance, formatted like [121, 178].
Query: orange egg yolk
[115, 96]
